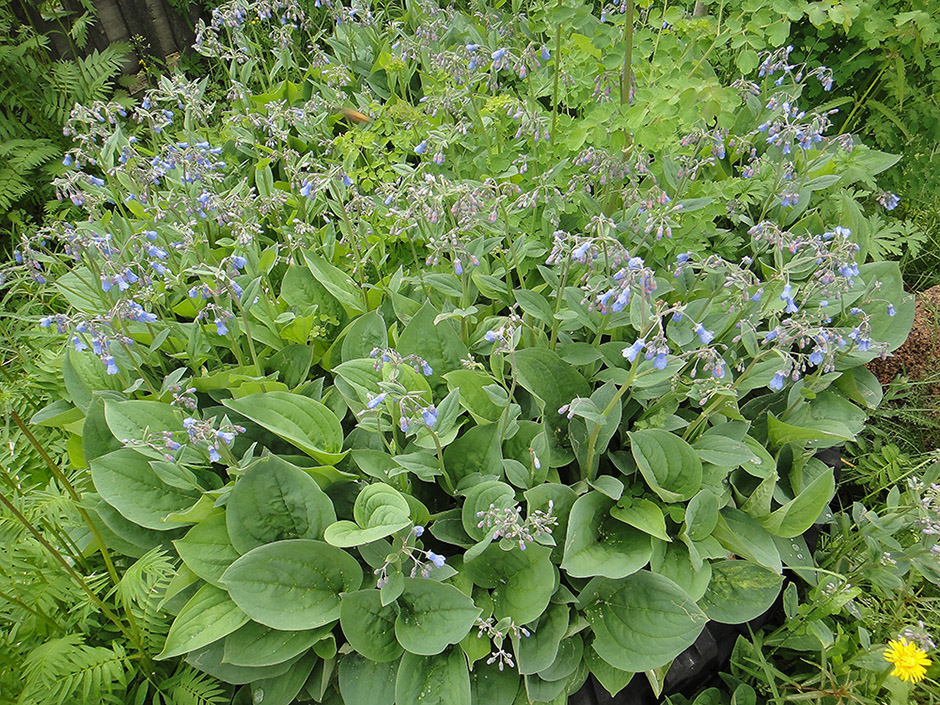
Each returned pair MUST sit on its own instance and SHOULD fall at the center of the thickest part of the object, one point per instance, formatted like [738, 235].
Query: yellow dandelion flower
[910, 661]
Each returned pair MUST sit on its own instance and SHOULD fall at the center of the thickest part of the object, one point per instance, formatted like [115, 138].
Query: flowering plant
[468, 399]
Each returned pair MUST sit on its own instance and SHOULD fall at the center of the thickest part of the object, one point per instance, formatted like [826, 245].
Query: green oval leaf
[598, 544]
[432, 615]
[670, 466]
[739, 591]
[125, 480]
[742, 535]
[255, 645]
[275, 501]
[543, 373]
[537, 651]
[521, 582]
[442, 679]
[292, 585]
[208, 616]
[363, 335]
[365, 681]
[380, 511]
[490, 685]
[206, 549]
[640, 622]
[135, 419]
[479, 499]
[368, 626]
[299, 420]
[701, 515]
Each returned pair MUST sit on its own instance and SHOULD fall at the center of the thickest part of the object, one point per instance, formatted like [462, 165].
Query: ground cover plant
[453, 357]
[886, 60]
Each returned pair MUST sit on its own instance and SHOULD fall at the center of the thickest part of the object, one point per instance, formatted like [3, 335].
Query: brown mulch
[919, 356]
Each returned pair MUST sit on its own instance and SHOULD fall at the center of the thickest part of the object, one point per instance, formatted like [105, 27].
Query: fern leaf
[191, 687]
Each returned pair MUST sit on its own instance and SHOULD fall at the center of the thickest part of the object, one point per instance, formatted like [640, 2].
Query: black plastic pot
[699, 665]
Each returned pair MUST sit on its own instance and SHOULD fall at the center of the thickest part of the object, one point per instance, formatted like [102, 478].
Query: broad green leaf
[368, 626]
[299, 420]
[742, 535]
[669, 465]
[207, 550]
[440, 345]
[520, 582]
[123, 535]
[422, 464]
[442, 679]
[335, 281]
[209, 660]
[255, 645]
[537, 651]
[283, 689]
[613, 679]
[208, 616]
[274, 501]
[552, 380]
[541, 691]
[828, 412]
[701, 515]
[365, 681]
[134, 420]
[472, 396]
[674, 562]
[380, 511]
[570, 654]
[125, 480]
[479, 499]
[477, 450]
[355, 380]
[796, 516]
[490, 685]
[534, 304]
[861, 386]
[292, 585]
[598, 544]
[97, 439]
[640, 622]
[739, 591]
[562, 498]
[641, 514]
[432, 615]
[724, 451]
[57, 414]
[780, 433]
[363, 335]
[602, 429]
[84, 374]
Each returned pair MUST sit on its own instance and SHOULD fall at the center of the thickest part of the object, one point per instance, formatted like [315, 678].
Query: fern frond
[12, 187]
[58, 670]
[191, 687]
[142, 589]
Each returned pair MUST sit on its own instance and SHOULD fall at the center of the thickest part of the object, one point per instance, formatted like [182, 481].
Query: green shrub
[479, 390]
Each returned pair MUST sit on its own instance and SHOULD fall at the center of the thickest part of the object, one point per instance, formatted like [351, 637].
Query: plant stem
[68, 568]
[73, 493]
[33, 611]
[592, 439]
[626, 73]
[557, 74]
